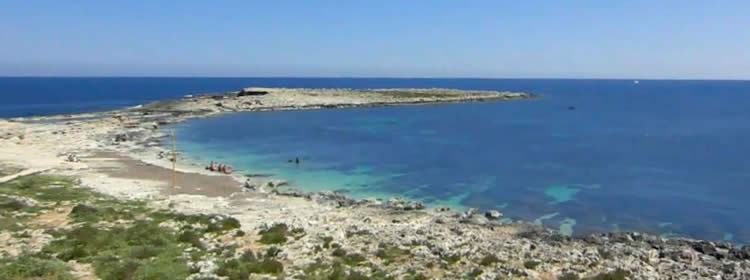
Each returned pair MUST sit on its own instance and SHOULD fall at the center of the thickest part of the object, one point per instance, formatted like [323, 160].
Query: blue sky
[493, 39]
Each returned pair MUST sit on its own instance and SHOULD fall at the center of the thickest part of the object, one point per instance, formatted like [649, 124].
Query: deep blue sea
[668, 157]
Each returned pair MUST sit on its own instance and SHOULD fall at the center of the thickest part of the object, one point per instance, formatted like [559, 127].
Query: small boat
[636, 82]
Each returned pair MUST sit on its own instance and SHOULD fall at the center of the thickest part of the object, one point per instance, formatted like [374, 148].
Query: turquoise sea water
[668, 157]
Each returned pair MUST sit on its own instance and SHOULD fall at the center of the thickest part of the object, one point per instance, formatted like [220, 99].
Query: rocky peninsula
[90, 196]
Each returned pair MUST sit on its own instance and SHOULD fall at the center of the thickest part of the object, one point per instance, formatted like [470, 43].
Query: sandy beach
[117, 153]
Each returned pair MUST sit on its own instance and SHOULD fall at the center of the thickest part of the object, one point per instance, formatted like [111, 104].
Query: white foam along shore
[119, 156]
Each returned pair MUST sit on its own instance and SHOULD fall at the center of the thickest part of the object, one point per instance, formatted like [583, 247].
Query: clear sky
[492, 39]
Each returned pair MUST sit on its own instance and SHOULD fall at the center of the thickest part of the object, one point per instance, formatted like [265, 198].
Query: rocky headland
[90, 196]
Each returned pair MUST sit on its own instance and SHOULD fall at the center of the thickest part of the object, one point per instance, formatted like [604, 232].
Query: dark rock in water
[708, 248]
[323, 197]
[249, 186]
[740, 253]
[571, 108]
[250, 175]
[443, 209]
[339, 200]
[275, 183]
[396, 203]
[291, 193]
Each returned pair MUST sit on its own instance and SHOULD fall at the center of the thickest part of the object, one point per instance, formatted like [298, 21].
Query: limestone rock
[493, 215]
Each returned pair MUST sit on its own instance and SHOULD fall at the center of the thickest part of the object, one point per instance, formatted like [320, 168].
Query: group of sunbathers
[219, 167]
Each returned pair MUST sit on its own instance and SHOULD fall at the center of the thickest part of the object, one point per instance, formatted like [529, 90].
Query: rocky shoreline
[325, 232]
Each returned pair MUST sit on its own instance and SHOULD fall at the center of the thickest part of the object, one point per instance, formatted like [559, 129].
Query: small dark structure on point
[246, 92]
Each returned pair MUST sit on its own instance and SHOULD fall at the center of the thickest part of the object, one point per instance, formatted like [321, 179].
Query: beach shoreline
[119, 153]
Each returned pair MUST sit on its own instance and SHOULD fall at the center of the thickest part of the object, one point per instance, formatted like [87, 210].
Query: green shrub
[350, 234]
[489, 260]
[31, 267]
[46, 188]
[531, 264]
[336, 271]
[568, 276]
[272, 252]
[221, 224]
[190, 237]
[274, 235]
[353, 259]
[418, 276]
[327, 241]
[451, 259]
[354, 275]
[339, 252]
[607, 255]
[9, 204]
[391, 253]
[212, 223]
[241, 268]
[248, 256]
[474, 273]
[12, 223]
[141, 251]
[618, 274]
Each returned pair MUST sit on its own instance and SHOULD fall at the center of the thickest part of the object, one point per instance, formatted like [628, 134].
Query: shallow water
[663, 156]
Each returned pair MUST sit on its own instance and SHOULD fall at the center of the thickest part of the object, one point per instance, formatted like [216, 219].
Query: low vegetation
[568, 276]
[338, 271]
[123, 240]
[249, 263]
[489, 260]
[451, 259]
[415, 94]
[531, 264]
[32, 267]
[120, 239]
[277, 234]
[389, 253]
[618, 274]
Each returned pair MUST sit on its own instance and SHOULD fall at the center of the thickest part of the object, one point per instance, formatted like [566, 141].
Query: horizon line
[367, 77]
